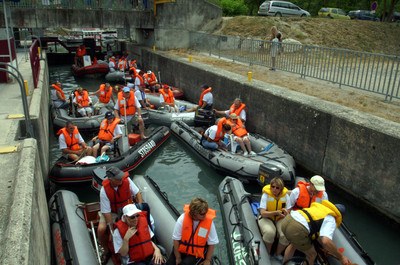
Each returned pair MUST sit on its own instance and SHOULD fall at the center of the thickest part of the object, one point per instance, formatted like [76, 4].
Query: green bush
[233, 8]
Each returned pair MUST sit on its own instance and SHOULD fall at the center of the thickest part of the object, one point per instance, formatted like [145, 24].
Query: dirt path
[350, 97]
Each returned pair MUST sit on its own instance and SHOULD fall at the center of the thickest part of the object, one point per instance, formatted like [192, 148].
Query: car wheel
[303, 15]
[278, 14]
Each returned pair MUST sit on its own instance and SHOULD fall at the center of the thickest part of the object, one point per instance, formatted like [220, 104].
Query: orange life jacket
[94, 60]
[304, 200]
[191, 243]
[140, 78]
[237, 111]
[120, 197]
[122, 64]
[220, 134]
[202, 95]
[81, 50]
[134, 71]
[106, 132]
[59, 90]
[132, 64]
[104, 96]
[237, 129]
[151, 79]
[168, 98]
[82, 99]
[140, 244]
[72, 142]
[130, 107]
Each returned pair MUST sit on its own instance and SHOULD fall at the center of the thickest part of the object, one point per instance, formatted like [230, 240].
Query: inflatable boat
[155, 100]
[163, 116]
[244, 238]
[269, 157]
[132, 154]
[61, 116]
[73, 223]
[94, 70]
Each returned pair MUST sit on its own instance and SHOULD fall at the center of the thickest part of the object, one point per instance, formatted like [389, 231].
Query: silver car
[281, 9]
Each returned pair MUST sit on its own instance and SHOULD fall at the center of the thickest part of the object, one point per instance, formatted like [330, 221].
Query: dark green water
[183, 176]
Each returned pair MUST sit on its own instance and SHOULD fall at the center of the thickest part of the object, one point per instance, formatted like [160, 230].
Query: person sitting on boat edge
[128, 110]
[118, 190]
[71, 142]
[194, 225]
[105, 94]
[240, 134]
[237, 107]
[212, 137]
[141, 96]
[167, 98]
[272, 211]
[110, 132]
[314, 225]
[83, 102]
[58, 96]
[112, 65]
[152, 82]
[132, 238]
[139, 80]
[306, 193]
[206, 99]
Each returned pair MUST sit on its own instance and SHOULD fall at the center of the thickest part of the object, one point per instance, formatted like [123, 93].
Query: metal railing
[84, 4]
[367, 71]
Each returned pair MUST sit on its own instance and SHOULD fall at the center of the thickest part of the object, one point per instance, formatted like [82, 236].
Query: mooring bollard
[249, 76]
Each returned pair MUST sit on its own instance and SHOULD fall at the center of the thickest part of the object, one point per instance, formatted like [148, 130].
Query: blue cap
[183, 108]
[126, 89]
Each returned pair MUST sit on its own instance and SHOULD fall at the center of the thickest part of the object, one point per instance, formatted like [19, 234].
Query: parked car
[281, 9]
[395, 17]
[332, 13]
[363, 15]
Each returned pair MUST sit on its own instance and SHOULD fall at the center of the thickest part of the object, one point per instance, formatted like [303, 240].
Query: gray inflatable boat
[269, 156]
[244, 238]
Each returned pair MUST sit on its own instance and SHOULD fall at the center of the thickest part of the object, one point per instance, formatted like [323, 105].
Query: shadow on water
[182, 175]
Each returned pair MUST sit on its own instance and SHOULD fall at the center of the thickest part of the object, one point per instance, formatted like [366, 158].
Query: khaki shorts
[100, 105]
[296, 233]
[114, 217]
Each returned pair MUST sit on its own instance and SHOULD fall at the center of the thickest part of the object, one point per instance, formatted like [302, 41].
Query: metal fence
[367, 71]
[83, 4]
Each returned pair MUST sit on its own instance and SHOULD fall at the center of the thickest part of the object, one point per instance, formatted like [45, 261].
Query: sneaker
[245, 153]
[278, 258]
[252, 153]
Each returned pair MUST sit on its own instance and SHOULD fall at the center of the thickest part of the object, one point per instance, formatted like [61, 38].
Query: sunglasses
[133, 217]
[275, 187]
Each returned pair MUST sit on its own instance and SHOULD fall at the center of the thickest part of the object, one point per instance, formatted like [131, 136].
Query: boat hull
[94, 70]
[66, 173]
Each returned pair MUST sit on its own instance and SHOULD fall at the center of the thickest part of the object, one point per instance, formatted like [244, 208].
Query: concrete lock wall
[356, 151]
[175, 20]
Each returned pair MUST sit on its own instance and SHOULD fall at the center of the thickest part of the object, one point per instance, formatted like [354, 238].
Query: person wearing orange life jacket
[83, 102]
[152, 82]
[132, 238]
[193, 230]
[79, 55]
[240, 134]
[167, 98]
[118, 191]
[206, 99]
[112, 64]
[237, 107]
[126, 108]
[122, 64]
[213, 136]
[139, 80]
[109, 132]
[132, 64]
[306, 193]
[317, 223]
[58, 96]
[272, 211]
[71, 142]
[105, 94]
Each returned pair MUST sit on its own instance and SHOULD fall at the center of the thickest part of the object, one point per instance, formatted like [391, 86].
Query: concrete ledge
[354, 150]
[27, 235]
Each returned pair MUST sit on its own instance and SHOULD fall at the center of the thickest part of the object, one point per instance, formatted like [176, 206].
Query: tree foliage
[233, 7]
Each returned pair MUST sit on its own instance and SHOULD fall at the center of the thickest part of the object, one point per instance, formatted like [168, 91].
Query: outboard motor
[266, 172]
[204, 118]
